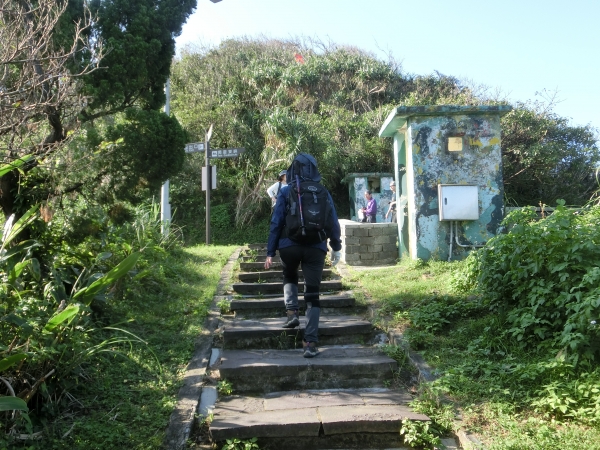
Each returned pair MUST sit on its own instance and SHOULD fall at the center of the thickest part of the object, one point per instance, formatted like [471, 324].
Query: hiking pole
[300, 205]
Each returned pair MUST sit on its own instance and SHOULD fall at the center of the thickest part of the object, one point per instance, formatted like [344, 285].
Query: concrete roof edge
[349, 176]
[401, 113]
[391, 124]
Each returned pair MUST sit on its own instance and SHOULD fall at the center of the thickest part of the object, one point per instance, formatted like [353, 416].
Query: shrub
[52, 297]
[544, 277]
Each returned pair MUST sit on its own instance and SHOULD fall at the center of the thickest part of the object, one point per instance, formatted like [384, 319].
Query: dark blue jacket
[276, 241]
[305, 166]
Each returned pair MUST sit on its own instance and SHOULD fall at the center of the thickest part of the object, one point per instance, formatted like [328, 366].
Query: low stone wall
[369, 244]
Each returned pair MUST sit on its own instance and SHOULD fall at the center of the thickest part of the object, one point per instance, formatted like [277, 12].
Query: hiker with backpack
[273, 190]
[303, 219]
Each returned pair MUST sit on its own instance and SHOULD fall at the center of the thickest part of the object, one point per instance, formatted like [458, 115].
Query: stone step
[370, 418]
[253, 277]
[275, 306]
[268, 333]
[258, 266]
[257, 246]
[259, 258]
[270, 288]
[341, 367]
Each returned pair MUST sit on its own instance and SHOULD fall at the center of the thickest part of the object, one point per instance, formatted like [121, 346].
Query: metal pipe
[450, 251]
[474, 246]
[208, 188]
[165, 206]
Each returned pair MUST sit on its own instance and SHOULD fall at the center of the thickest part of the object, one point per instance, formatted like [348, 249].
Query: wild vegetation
[96, 329]
[546, 159]
[512, 332]
[277, 98]
[80, 265]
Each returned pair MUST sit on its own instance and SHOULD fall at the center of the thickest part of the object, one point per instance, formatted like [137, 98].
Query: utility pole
[165, 206]
[207, 137]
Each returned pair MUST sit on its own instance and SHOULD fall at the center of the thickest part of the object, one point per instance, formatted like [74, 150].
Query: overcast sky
[520, 47]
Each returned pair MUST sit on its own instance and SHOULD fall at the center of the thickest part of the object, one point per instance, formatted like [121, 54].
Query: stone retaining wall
[369, 244]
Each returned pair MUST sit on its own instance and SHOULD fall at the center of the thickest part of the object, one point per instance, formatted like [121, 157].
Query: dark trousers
[312, 261]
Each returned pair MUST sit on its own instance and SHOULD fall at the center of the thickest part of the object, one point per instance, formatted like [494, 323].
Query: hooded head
[305, 166]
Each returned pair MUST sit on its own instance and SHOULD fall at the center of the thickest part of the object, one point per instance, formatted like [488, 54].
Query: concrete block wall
[369, 244]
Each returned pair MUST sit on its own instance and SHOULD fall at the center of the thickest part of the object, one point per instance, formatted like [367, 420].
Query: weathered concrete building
[378, 184]
[448, 169]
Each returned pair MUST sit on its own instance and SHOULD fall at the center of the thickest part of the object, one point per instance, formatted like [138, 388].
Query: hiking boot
[292, 319]
[310, 349]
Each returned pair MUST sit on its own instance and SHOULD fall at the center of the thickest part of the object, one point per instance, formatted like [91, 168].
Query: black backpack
[309, 218]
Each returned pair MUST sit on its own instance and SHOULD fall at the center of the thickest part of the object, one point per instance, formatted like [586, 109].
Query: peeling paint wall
[429, 164]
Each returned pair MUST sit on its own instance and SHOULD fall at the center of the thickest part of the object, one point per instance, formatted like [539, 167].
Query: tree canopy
[546, 159]
[81, 91]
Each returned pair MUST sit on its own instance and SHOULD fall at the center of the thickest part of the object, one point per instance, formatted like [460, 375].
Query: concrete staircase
[340, 399]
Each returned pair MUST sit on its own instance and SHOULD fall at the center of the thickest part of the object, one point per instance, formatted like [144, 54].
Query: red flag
[299, 58]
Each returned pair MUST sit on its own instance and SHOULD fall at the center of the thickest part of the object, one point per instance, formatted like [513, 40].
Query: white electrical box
[458, 202]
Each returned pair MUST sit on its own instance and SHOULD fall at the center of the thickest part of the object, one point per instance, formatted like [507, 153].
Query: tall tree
[545, 158]
[38, 94]
[82, 87]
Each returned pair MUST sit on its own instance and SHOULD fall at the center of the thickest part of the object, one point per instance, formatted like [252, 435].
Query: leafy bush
[225, 387]
[241, 444]
[544, 277]
[52, 300]
[571, 395]
[427, 434]
[418, 433]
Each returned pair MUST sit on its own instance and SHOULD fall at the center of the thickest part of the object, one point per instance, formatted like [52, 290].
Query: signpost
[209, 173]
[208, 182]
[194, 147]
[227, 153]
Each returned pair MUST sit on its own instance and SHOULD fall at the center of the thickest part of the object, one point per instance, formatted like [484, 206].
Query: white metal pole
[165, 206]
[208, 187]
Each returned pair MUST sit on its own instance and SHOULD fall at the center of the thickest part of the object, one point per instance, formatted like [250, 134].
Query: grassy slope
[128, 396]
[418, 293]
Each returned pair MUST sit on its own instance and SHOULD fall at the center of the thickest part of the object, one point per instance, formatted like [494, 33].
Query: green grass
[406, 283]
[504, 428]
[492, 381]
[125, 398]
